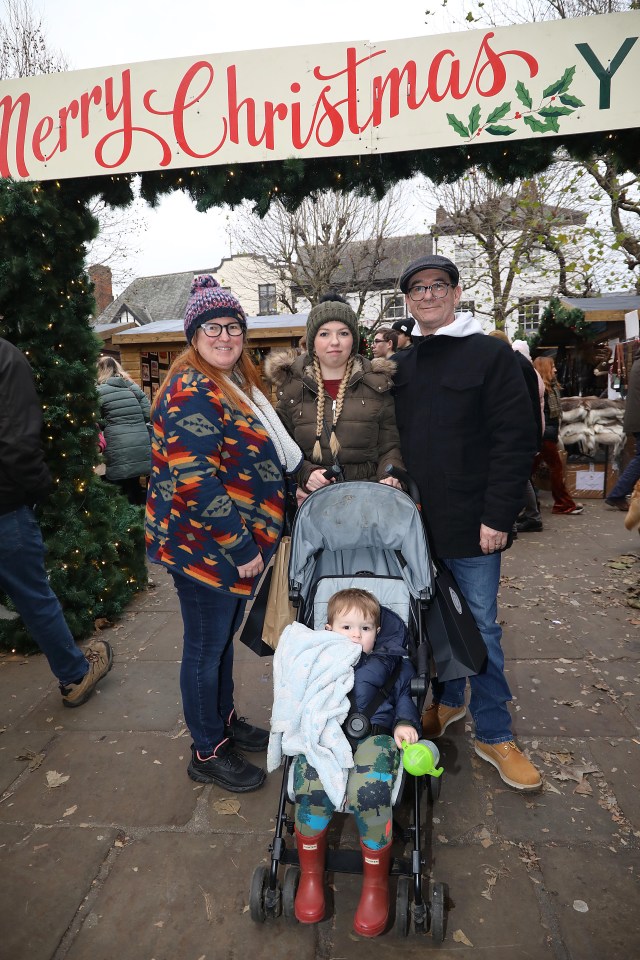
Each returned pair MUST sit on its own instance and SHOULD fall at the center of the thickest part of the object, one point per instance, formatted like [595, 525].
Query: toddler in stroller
[370, 537]
[382, 676]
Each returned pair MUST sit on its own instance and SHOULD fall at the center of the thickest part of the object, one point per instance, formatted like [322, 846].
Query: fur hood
[280, 365]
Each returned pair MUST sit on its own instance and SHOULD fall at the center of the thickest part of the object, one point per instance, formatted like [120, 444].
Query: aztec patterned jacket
[216, 491]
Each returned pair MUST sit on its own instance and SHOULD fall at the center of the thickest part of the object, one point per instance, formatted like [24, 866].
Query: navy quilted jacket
[374, 669]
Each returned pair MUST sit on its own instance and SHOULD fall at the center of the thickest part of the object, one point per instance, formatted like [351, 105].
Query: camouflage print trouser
[368, 792]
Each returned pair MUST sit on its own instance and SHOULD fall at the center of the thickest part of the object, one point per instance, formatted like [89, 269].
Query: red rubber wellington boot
[373, 910]
[309, 905]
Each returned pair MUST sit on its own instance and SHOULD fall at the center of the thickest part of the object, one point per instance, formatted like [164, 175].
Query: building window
[393, 306]
[267, 299]
[466, 306]
[529, 315]
[467, 255]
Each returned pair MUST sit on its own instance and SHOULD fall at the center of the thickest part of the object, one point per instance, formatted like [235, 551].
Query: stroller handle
[333, 473]
[399, 474]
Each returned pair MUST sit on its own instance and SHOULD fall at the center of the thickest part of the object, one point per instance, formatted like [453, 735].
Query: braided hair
[334, 444]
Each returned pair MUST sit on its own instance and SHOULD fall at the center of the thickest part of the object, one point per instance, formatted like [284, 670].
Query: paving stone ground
[127, 858]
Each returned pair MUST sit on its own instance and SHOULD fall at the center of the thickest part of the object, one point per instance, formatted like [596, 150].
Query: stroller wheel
[433, 788]
[289, 890]
[438, 911]
[259, 883]
[403, 910]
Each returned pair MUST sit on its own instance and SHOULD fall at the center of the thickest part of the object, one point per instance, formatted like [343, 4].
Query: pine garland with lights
[556, 315]
[94, 537]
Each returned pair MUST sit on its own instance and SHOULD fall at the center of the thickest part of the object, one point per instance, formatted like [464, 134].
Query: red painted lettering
[8, 106]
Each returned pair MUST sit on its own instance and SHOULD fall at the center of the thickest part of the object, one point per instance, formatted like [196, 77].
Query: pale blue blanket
[312, 675]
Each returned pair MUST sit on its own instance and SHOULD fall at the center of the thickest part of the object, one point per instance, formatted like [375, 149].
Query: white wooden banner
[344, 99]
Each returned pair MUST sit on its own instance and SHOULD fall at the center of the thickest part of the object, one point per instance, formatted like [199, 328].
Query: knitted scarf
[289, 453]
[553, 399]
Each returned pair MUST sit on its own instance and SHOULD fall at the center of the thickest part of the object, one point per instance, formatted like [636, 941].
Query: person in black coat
[529, 517]
[25, 482]
[468, 440]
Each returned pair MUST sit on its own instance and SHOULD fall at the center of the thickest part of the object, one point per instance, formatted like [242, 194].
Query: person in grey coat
[631, 424]
[124, 418]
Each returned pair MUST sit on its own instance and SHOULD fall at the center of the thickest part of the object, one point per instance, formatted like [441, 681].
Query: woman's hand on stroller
[391, 482]
[317, 479]
[405, 733]
[248, 570]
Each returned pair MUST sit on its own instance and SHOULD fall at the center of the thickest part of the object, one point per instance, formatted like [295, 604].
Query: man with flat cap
[468, 440]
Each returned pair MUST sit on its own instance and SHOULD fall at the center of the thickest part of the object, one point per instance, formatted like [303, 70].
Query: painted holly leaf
[555, 111]
[536, 125]
[474, 119]
[561, 85]
[457, 125]
[499, 112]
[498, 131]
[571, 101]
[523, 94]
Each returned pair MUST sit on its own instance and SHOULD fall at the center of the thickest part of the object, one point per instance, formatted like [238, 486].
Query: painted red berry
[518, 115]
[552, 99]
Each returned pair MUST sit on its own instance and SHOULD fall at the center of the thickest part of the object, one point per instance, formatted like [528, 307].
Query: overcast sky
[176, 236]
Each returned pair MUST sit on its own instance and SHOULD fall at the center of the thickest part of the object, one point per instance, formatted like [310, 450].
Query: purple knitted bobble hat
[208, 301]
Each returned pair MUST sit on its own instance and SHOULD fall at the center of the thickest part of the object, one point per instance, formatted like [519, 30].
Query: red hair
[190, 359]
[544, 366]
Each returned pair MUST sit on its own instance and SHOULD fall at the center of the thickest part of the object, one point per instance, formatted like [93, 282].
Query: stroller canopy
[353, 527]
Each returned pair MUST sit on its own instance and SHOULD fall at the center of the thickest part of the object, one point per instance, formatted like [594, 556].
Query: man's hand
[248, 570]
[491, 541]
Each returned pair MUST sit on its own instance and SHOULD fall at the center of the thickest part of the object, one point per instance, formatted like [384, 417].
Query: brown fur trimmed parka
[366, 429]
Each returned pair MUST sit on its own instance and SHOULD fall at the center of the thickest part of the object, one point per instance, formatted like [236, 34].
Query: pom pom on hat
[521, 346]
[208, 301]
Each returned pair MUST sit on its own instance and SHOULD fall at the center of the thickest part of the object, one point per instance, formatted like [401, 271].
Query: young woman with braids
[335, 404]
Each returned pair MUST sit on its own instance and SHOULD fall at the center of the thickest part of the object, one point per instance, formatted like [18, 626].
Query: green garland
[556, 315]
[94, 537]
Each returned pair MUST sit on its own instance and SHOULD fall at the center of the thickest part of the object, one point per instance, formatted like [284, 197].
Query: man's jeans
[478, 579]
[24, 578]
[629, 476]
[210, 619]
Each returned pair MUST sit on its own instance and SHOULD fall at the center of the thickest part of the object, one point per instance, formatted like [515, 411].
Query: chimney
[100, 277]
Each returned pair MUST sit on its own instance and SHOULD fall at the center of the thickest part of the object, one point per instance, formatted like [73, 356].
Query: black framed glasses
[215, 329]
[438, 290]
[380, 341]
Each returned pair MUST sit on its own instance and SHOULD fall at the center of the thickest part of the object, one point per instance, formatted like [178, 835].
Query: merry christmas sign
[560, 77]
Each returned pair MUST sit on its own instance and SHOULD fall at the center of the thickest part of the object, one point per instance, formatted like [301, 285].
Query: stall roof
[279, 321]
[608, 307]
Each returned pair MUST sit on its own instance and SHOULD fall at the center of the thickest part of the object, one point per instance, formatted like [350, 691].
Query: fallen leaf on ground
[70, 810]
[35, 759]
[55, 779]
[227, 806]
[584, 788]
[460, 937]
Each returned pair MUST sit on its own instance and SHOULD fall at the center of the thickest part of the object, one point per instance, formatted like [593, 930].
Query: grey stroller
[366, 535]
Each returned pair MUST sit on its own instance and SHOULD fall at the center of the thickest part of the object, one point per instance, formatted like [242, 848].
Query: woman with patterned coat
[214, 517]
[335, 404]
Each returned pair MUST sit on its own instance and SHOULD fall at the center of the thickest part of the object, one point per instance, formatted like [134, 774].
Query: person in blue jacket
[382, 635]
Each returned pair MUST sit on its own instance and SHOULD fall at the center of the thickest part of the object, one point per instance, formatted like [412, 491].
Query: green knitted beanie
[326, 312]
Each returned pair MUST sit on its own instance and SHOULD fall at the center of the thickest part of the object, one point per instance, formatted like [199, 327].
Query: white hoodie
[463, 325]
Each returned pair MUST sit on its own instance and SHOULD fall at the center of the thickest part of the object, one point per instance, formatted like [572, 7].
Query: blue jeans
[24, 578]
[478, 579]
[210, 620]
[629, 477]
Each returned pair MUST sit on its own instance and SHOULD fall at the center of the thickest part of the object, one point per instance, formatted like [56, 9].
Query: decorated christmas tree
[94, 537]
